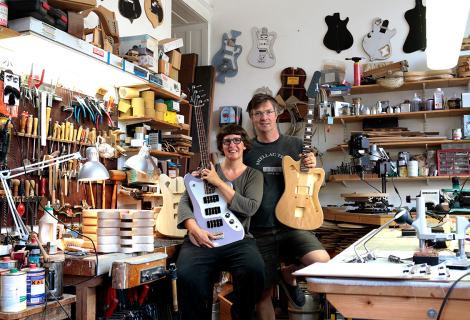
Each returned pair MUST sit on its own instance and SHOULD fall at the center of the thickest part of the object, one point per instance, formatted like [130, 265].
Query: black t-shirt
[267, 158]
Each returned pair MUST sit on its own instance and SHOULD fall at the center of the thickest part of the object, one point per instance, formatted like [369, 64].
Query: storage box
[172, 105]
[170, 116]
[175, 58]
[163, 56]
[466, 126]
[140, 41]
[164, 67]
[180, 118]
[170, 44]
[147, 61]
[169, 84]
[133, 176]
[175, 74]
[465, 99]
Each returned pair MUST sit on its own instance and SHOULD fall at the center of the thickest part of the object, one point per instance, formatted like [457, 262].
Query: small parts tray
[453, 162]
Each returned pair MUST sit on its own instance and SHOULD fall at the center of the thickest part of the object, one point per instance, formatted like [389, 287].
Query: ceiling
[182, 15]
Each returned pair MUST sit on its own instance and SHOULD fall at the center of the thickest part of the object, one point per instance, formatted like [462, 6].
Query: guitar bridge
[218, 235]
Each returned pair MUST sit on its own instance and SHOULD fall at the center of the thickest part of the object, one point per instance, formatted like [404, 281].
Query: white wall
[300, 28]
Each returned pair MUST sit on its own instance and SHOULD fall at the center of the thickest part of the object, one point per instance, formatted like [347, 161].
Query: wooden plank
[54, 311]
[86, 295]
[188, 71]
[407, 144]
[373, 219]
[73, 5]
[387, 307]
[6, 33]
[154, 123]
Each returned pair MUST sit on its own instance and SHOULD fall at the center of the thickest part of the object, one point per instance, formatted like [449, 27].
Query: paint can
[13, 291]
[7, 263]
[3, 13]
[35, 285]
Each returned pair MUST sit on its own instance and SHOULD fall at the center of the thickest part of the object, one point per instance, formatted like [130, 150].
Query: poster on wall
[130, 9]
[262, 54]
[338, 37]
[377, 42]
[154, 12]
[225, 60]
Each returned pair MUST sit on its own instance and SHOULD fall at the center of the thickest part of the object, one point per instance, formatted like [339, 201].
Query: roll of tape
[126, 242]
[89, 213]
[148, 95]
[91, 236]
[150, 112]
[127, 225]
[143, 247]
[126, 249]
[90, 222]
[160, 107]
[124, 105]
[160, 115]
[107, 240]
[140, 136]
[128, 93]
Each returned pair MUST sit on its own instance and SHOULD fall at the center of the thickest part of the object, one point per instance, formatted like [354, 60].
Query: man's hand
[310, 161]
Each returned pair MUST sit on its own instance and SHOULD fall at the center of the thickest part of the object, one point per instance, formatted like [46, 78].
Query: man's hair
[259, 99]
[233, 129]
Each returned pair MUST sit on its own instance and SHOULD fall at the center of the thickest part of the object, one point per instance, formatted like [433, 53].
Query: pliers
[85, 106]
[77, 106]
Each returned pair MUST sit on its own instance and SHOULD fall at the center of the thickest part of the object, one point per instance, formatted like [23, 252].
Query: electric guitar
[299, 207]
[377, 43]
[167, 220]
[209, 205]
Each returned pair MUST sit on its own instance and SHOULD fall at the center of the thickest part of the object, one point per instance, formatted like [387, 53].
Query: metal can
[7, 263]
[3, 13]
[13, 291]
[35, 285]
[456, 134]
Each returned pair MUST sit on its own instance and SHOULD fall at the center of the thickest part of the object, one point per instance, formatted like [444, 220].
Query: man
[271, 236]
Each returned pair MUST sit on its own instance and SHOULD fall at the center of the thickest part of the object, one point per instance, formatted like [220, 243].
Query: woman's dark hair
[233, 129]
[259, 99]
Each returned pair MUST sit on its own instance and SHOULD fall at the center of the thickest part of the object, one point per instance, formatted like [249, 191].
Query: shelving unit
[154, 123]
[399, 145]
[6, 33]
[159, 92]
[355, 178]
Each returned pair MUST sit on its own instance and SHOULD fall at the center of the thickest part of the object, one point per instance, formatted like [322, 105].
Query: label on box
[163, 56]
[146, 61]
[140, 72]
[155, 80]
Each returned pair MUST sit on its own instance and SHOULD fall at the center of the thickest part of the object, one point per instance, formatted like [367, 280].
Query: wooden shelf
[6, 33]
[414, 85]
[159, 92]
[154, 123]
[405, 115]
[406, 144]
[355, 178]
[161, 155]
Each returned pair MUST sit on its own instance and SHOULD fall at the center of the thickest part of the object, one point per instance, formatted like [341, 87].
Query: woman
[198, 265]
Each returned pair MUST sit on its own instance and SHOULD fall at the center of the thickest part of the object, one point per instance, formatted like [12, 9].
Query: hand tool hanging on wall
[28, 135]
[35, 136]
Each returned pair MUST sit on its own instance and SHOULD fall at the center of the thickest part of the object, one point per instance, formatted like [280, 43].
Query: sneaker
[294, 293]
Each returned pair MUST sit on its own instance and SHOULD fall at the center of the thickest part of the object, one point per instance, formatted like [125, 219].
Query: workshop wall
[301, 27]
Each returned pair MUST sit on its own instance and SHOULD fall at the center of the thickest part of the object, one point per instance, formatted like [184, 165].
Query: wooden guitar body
[299, 207]
[293, 81]
[154, 12]
[167, 220]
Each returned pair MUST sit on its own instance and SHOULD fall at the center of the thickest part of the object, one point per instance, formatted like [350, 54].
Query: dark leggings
[197, 269]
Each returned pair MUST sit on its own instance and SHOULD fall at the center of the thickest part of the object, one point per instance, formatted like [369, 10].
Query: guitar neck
[204, 148]
[307, 135]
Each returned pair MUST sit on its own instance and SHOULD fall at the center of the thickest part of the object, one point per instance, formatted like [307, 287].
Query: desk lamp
[139, 161]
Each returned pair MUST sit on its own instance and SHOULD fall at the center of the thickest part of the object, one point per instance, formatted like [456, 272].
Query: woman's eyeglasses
[227, 142]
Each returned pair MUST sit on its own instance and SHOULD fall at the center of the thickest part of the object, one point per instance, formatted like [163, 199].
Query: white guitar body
[172, 189]
[262, 54]
[377, 43]
[211, 213]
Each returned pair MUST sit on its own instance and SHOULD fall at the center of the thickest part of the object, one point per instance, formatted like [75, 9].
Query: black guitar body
[157, 9]
[337, 37]
[130, 9]
[416, 18]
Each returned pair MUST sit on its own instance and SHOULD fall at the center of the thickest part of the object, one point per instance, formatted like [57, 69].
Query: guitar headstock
[195, 95]
[314, 87]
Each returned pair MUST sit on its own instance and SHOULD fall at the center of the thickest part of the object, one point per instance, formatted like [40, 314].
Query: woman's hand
[211, 176]
[203, 238]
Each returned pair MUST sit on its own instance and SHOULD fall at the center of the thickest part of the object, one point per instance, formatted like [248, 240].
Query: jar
[415, 103]
[412, 168]
[456, 134]
[402, 170]
[426, 105]
[346, 111]
[373, 110]
[397, 109]
[454, 102]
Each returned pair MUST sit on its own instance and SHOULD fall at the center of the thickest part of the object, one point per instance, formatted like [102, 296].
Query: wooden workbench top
[54, 311]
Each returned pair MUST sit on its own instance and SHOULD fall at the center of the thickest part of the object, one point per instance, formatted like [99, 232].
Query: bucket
[216, 310]
[312, 308]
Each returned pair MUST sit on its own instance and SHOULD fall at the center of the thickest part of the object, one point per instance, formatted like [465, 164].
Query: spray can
[357, 70]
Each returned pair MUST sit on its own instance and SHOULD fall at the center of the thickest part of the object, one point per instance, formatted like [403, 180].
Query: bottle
[415, 103]
[447, 224]
[438, 99]
[47, 229]
[454, 102]
[34, 252]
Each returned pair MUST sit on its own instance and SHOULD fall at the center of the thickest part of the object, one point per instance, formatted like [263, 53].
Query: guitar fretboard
[308, 135]
[204, 148]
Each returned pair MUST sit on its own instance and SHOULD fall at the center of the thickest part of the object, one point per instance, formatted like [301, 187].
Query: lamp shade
[445, 27]
[93, 170]
[139, 161]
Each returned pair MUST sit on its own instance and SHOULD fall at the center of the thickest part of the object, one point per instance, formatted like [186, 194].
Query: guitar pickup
[215, 223]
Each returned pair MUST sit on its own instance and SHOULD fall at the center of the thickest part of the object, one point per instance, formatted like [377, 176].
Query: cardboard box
[147, 61]
[155, 80]
[169, 84]
[133, 176]
[171, 116]
[172, 105]
[164, 67]
[175, 58]
[170, 44]
[175, 74]
[163, 56]
[140, 41]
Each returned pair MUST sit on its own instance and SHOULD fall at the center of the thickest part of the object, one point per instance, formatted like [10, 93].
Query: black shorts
[293, 244]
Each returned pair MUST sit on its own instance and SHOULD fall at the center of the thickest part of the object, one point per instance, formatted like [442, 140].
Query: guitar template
[338, 37]
[377, 42]
[130, 9]
[225, 60]
[262, 54]
[416, 18]
[154, 12]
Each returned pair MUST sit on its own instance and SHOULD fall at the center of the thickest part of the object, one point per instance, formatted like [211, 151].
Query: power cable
[448, 294]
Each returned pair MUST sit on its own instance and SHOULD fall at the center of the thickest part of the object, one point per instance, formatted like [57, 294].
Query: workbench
[54, 310]
[80, 268]
[392, 299]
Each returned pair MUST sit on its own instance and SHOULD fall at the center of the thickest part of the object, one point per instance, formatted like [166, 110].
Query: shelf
[6, 33]
[159, 92]
[154, 123]
[161, 155]
[356, 178]
[407, 144]
[405, 115]
[414, 85]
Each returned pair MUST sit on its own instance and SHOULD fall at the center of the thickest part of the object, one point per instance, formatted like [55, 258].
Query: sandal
[294, 293]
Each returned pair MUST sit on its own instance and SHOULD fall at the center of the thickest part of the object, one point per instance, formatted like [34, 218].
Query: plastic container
[412, 168]
[454, 102]
[48, 229]
[427, 105]
[438, 99]
[415, 103]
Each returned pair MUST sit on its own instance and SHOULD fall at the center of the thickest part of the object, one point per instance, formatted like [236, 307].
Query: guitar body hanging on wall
[262, 54]
[338, 37]
[130, 9]
[377, 43]
[154, 12]
[416, 18]
[293, 81]
[225, 60]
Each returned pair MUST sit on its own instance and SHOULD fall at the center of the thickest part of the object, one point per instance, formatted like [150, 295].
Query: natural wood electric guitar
[299, 207]
[167, 220]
